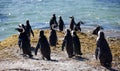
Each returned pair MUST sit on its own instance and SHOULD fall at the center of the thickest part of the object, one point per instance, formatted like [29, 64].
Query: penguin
[77, 26]
[68, 43]
[76, 44]
[44, 46]
[72, 23]
[53, 38]
[20, 30]
[97, 29]
[23, 41]
[103, 52]
[29, 29]
[53, 22]
[61, 24]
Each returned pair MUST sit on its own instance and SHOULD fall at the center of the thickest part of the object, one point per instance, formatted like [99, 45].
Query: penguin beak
[71, 17]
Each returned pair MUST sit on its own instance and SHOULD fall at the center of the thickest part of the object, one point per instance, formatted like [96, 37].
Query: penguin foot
[30, 56]
[24, 55]
[107, 65]
[70, 56]
[80, 53]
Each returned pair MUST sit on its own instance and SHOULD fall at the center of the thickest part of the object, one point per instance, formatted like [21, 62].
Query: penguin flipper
[97, 53]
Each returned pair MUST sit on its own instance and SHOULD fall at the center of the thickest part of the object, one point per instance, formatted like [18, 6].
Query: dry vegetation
[88, 44]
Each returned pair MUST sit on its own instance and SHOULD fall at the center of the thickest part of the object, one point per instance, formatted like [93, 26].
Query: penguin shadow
[33, 50]
[17, 69]
[27, 57]
[79, 58]
[110, 69]
[34, 58]
[51, 60]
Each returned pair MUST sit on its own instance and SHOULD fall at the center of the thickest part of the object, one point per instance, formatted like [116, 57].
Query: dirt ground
[60, 62]
[11, 59]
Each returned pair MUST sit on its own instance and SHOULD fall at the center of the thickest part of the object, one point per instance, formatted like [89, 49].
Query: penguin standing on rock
[23, 41]
[53, 38]
[68, 43]
[103, 52]
[61, 24]
[76, 44]
[44, 46]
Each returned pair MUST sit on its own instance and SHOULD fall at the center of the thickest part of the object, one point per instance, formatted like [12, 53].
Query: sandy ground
[60, 62]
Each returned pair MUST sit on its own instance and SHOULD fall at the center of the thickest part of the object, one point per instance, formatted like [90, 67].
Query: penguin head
[27, 23]
[68, 32]
[54, 15]
[60, 17]
[21, 28]
[98, 28]
[72, 17]
[21, 25]
[41, 33]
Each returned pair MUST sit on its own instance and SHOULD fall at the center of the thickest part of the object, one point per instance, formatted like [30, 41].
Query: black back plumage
[61, 24]
[29, 29]
[72, 23]
[103, 51]
[76, 44]
[44, 46]
[53, 22]
[53, 38]
[68, 43]
[77, 27]
[23, 41]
